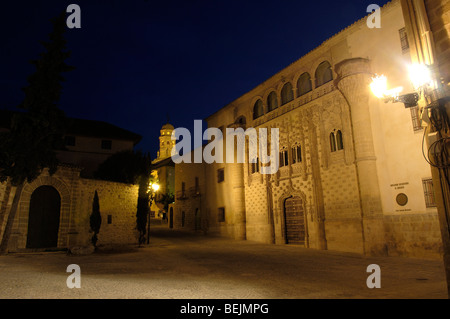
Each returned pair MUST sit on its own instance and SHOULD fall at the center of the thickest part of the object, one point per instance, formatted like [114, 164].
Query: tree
[143, 208]
[124, 167]
[166, 200]
[29, 147]
[95, 219]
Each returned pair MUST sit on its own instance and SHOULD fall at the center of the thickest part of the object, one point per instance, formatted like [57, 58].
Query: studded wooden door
[294, 221]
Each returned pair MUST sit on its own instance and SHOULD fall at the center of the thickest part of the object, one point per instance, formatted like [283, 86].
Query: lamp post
[152, 189]
[421, 79]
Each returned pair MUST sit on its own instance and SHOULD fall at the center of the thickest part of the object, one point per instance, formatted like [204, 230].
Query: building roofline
[325, 42]
[83, 127]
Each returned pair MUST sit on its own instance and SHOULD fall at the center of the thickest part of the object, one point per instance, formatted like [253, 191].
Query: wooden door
[43, 220]
[294, 221]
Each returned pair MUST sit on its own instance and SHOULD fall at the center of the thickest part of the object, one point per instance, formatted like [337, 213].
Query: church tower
[165, 142]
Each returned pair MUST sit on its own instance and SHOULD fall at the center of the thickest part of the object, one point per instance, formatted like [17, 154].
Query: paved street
[187, 266]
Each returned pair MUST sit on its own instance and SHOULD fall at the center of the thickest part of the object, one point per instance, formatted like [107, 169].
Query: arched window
[286, 93]
[324, 73]
[284, 157]
[258, 109]
[332, 142]
[272, 102]
[336, 141]
[339, 141]
[254, 167]
[304, 84]
[296, 154]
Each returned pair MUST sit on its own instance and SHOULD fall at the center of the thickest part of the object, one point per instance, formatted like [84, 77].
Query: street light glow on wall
[379, 86]
[420, 77]
[380, 90]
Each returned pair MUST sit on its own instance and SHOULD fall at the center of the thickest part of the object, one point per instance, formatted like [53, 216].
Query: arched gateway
[44, 218]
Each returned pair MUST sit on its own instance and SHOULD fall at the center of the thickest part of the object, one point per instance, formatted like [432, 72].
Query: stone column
[236, 187]
[317, 183]
[238, 202]
[353, 82]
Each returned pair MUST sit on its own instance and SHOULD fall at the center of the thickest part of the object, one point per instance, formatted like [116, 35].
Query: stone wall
[117, 207]
[413, 235]
[118, 201]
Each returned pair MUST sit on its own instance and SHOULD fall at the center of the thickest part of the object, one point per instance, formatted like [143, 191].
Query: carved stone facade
[346, 155]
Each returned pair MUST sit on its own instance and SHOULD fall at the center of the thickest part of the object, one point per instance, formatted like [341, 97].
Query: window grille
[430, 198]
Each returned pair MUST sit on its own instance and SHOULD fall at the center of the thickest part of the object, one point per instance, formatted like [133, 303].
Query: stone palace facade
[352, 176]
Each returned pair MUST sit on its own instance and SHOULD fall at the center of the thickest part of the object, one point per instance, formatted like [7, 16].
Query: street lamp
[421, 79]
[153, 188]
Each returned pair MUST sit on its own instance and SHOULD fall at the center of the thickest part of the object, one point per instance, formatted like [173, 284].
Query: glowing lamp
[155, 187]
[379, 86]
[379, 89]
[420, 76]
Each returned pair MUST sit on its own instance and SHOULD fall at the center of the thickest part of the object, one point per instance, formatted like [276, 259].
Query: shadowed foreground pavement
[187, 266]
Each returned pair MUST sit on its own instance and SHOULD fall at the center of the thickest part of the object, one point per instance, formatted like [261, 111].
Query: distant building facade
[163, 171]
[352, 176]
[88, 143]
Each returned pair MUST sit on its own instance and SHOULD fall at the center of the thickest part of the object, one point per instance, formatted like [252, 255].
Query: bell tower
[165, 142]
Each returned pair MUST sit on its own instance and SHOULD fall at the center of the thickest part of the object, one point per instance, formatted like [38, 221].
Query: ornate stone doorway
[294, 221]
[44, 217]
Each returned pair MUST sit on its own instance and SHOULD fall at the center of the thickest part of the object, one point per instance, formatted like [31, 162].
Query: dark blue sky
[139, 60]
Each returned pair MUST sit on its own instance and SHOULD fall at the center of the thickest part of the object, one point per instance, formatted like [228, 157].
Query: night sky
[139, 61]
